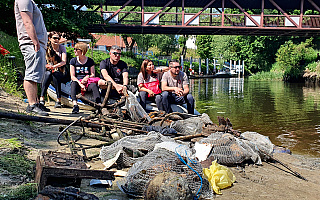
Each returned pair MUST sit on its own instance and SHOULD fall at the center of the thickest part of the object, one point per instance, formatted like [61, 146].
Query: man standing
[115, 70]
[175, 88]
[32, 37]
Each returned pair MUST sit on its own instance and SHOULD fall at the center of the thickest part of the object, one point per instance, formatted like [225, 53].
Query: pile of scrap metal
[156, 156]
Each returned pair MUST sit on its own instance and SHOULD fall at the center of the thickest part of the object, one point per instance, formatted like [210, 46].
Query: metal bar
[79, 7]
[314, 5]
[166, 12]
[224, 16]
[80, 173]
[246, 14]
[108, 120]
[153, 16]
[115, 126]
[262, 13]
[142, 11]
[222, 22]
[122, 7]
[45, 119]
[67, 129]
[284, 13]
[210, 17]
[196, 15]
[128, 13]
[182, 13]
[106, 97]
[301, 13]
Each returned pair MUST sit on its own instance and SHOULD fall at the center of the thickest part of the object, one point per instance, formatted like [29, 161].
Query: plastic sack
[219, 177]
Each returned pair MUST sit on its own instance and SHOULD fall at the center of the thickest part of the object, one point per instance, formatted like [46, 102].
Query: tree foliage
[64, 17]
[7, 22]
[293, 58]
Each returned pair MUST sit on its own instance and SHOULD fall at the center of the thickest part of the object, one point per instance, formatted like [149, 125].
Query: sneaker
[42, 107]
[42, 102]
[36, 109]
[58, 104]
[75, 109]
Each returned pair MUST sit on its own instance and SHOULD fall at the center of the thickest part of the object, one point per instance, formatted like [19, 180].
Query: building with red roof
[104, 42]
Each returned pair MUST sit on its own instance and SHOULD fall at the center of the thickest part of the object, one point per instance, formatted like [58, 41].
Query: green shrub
[267, 76]
[8, 68]
[293, 58]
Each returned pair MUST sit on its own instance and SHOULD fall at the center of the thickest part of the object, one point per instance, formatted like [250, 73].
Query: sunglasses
[76, 49]
[176, 67]
[56, 38]
[116, 53]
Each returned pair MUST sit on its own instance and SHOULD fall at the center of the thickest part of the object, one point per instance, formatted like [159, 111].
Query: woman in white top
[149, 84]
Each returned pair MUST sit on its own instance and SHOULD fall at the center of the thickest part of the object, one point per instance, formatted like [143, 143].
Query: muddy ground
[269, 181]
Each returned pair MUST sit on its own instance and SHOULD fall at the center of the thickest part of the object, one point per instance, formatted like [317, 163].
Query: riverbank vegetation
[15, 165]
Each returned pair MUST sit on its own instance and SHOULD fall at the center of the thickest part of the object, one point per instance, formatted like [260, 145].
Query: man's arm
[106, 77]
[165, 87]
[125, 78]
[27, 21]
[185, 90]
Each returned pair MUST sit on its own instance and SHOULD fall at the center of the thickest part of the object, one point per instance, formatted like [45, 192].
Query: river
[288, 113]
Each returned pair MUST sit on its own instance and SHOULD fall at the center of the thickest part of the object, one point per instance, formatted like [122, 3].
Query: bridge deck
[181, 17]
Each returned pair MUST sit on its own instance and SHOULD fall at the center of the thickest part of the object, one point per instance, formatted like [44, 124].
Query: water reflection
[288, 113]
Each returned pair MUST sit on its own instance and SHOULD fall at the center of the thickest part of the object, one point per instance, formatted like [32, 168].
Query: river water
[288, 113]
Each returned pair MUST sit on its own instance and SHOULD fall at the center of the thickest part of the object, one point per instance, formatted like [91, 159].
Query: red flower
[3, 51]
[190, 70]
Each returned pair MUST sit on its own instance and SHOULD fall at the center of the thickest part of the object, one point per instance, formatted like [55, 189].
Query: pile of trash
[155, 160]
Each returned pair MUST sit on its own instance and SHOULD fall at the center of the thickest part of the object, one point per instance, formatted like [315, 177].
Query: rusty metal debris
[56, 169]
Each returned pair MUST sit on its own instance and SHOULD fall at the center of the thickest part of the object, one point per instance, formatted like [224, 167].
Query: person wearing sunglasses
[81, 69]
[175, 88]
[56, 57]
[149, 85]
[114, 70]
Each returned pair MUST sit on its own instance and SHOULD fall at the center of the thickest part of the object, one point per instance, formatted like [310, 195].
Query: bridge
[208, 17]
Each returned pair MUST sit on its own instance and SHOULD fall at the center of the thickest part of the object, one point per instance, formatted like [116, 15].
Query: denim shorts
[35, 63]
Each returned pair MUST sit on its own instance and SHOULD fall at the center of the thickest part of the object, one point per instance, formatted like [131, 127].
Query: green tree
[205, 46]
[7, 22]
[64, 17]
[182, 43]
[293, 58]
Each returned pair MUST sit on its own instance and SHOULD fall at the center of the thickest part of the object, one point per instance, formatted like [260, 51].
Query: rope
[193, 162]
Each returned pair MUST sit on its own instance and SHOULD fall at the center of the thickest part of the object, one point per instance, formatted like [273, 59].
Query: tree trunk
[129, 47]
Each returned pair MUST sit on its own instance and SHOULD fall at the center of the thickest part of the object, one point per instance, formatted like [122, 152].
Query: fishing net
[128, 150]
[192, 125]
[163, 160]
[229, 150]
[259, 143]
[135, 109]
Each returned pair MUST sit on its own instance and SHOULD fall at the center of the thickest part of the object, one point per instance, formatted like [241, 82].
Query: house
[104, 42]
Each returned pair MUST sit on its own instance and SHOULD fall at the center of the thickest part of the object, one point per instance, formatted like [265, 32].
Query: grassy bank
[268, 76]
[13, 163]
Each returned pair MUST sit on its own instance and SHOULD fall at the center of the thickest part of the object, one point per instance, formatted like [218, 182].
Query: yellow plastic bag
[219, 176]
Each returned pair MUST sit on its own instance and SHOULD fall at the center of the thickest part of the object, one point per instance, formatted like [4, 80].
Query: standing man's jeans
[144, 97]
[168, 98]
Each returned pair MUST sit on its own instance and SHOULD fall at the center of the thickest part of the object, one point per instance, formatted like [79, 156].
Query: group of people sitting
[162, 85]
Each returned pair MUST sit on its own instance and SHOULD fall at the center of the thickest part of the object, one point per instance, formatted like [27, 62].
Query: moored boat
[67, 101]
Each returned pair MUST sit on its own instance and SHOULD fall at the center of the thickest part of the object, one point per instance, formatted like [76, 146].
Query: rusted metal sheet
[57, 168]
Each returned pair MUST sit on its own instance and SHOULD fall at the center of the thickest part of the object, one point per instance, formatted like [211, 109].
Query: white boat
[66, 98]
[67, 101]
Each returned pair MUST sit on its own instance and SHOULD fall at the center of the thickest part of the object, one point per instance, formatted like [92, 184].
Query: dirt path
[270, 181]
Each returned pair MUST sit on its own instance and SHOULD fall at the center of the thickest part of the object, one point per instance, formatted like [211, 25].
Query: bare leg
[31, 90]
